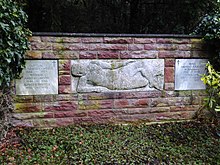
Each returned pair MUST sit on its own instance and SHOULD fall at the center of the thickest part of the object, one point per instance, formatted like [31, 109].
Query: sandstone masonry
[68, 107]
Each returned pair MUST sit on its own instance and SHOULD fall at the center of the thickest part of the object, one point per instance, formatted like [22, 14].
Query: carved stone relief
[117, 75]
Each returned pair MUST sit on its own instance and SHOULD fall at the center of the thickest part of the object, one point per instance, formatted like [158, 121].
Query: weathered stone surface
[39, 77]
[33, 55]
[135, 47]
[95, 104]
[92, 40]
[64, 89]
[28, 107]
[108, 54]
[117, 75]
[88, 55]
[61, 106]
[144, 40]
[65, 80]
[118, 40]
[188, 74]
[169, 74]
[139, 54]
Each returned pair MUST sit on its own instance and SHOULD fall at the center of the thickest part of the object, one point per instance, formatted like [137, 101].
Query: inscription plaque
[188, 74]
[117, 75]
[38, 77]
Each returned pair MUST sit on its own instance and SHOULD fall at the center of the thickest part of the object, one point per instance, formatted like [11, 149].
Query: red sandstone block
[61, 106]
[138, 54]
[34, 39]
[50, 39]
[64, 65]
[131, 103]
[108, 54]
[22, 123]
[64, 79]
[28, 107]
[135, 118]
[169, 75]
[68, 46]
[67, 54]
[184, 47]
[136, 47]
[95, 104]
[88, 55]
[64, 114]
[169, 62]
[161, 102]
[176, 54]
[64, 72]
[97, 96]
[25, 116]
[49, 55]
[150, 47]
[40, 46]
[164, 40]
[66, 97]
[61, 39]
[184, 108]
[43, 98]
[92, 40]
[173, 41]
[134, 95]
[167, 47]
[170, 101]
[23, 99]
[123, 103]
[107, 47]
[169, 86]
[64, 89]
[59, 47]
[144, 40]
[44, 123]
[101, 113]
[181, 41]
[118, 40]
[174, 116]
[167, 54]
[33, 54]
[70, 39]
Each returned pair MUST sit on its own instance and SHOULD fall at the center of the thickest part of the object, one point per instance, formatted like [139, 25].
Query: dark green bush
[209, 27]
[13, 41]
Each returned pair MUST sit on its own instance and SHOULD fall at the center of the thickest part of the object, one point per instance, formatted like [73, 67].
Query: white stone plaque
[188, 74]
[117, 75]
[38, 78]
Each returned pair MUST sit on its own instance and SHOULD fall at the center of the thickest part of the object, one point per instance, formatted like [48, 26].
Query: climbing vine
[13, 44]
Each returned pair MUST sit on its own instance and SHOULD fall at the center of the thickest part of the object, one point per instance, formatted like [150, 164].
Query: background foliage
[117, 16]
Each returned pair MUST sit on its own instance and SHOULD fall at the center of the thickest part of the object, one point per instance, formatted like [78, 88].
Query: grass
[171, 143]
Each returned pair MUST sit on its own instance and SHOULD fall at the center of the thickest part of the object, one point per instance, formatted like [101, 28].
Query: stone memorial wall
[109, 79]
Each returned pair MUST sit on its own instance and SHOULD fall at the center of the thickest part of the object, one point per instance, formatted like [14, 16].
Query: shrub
[209, 27]
[212, 82]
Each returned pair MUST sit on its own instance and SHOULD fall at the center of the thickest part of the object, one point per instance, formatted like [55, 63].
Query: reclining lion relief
[117, 75]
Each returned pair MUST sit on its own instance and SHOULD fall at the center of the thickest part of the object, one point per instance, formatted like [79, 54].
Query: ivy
[13, 41]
